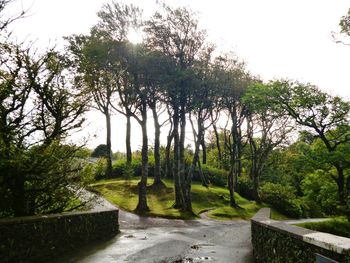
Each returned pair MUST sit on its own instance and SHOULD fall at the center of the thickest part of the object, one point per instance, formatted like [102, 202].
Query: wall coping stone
[338, 244]
[26, 219]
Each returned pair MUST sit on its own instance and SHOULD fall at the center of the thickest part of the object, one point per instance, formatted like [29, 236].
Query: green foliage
[216, 176]
[100, 168]
[50, 174]
[321, 190]
[281, 198]
[100, 151]
[122, 169]
[245, 187]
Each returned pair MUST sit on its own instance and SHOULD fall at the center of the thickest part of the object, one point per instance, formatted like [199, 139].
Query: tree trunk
[218, 146]
[127, 139]
[157, 168]
[256, 190]
[230, 182]
[197, 139]
[142, 204]
[108, 143]
[204, 149]
[168, 171]
[185, 179]
[234, 156]
[341, 184]
[176, 162]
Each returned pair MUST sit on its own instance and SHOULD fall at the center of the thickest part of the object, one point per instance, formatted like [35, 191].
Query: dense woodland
[283, 142]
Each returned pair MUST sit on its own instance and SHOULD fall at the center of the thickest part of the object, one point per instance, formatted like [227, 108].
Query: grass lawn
[214, 199]
[336, 226]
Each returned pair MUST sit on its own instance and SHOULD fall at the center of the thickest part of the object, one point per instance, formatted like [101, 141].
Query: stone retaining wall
[41, 238]
[275, 241]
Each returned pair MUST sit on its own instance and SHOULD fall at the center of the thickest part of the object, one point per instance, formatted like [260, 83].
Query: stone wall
[275, 241]
[40, 238]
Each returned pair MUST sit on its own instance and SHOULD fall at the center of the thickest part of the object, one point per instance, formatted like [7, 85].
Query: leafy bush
[245, 187]
[282, 198]
[319, 188]
[121, 169]
[100, 151]
[100, 168]
[214, 175]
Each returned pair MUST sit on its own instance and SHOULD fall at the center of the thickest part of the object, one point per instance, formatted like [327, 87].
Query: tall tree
[95, 59]
[324, 116]
[39, 107]
[268, 126]
[174, 32]
[116, 21]
[233, 81]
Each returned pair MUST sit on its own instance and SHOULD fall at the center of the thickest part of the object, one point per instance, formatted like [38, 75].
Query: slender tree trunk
[197, 139]
[218, 146]
[142, 204]
[341, 184]
[230, 182]
[127, 139]
[108, 143]
[157, 168]
[168, 170]
[234, 157]
[184, 188]
[256, 189]
[176, 161]
[204, 148]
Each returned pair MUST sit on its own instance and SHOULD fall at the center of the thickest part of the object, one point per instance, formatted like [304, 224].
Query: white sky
[277, 39]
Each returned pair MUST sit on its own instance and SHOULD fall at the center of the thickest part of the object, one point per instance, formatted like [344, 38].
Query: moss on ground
[214, 199]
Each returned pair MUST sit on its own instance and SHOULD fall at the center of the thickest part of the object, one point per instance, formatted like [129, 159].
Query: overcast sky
[277, 38]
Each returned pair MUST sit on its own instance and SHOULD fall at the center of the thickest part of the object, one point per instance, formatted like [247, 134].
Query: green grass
[336, 226]
[214, 199]
[278, 216]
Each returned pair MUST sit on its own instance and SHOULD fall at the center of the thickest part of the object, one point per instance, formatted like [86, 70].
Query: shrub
[214, 175]
[320, 188]
[245, 187]
[121, 169]
[282, 198]
[100, 168]
[100, 151]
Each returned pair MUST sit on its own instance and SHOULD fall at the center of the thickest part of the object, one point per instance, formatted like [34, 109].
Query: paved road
[158, 240]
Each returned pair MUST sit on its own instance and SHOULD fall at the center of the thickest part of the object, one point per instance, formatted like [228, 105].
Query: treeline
[175, 73]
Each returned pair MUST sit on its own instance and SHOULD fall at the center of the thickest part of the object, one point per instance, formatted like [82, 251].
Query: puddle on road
[193, 260]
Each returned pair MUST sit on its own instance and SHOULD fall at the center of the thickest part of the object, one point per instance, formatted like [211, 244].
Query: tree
[154, 79]
[232, 81]
[94, 57]
[116, 21]
[100, 151]
[200, 106]
[135, 78]
[6, 20]
[345, 24]
[268, 126]
[39, 108]
[174, 33]
[325, 116]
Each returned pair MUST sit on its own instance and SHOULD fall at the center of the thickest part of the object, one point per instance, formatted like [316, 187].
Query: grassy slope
[336, 226]
[214, 199]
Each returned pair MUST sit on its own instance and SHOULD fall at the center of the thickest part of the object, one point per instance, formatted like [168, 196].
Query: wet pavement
[158, 240]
